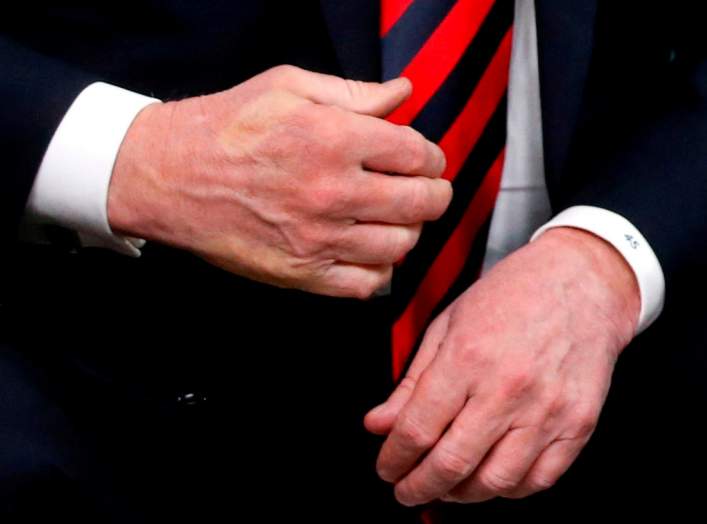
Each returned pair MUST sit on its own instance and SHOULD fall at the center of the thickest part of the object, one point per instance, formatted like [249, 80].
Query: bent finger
[399, 199]
[380, 419]
[375, 244]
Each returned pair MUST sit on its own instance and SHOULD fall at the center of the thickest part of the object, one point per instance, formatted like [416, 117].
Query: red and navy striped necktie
[457, 55]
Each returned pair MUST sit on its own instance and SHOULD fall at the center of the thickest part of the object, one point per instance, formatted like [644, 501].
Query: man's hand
[285, 179]
[510, 379]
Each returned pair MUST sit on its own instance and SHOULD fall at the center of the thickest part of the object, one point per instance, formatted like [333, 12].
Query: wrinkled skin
[291, 178]
[511, 378]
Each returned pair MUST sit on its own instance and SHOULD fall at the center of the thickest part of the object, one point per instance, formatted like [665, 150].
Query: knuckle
[446, 192]
[442, 166]
[414, 434]
[355, 89]
[283, 73]
[539, 483]
[407, 383]
[347, 285]
[415, 151]
[385, 276]
[466, 353]
[434, 199]
[326, 197]
[307, 240]
[408, 492]
[584, 420]
[362, 292]
[412, 235]
[498, 482]
[556, 405]
[517, 384]
[312, 243]
[400, 244]
[316, 132]
[515, 494]
[391, 250]
[366, 287]
[419, 204]
[451, 465]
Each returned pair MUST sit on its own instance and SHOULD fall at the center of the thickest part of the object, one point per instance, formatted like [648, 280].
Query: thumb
[368, 98]
[380, 420]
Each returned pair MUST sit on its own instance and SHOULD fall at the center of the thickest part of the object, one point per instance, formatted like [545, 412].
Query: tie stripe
[391, 13]
[461, 138]
[438, 56]
[415, 27]
[465, 185]
[445, 270]
[457, 55]
[444, 107]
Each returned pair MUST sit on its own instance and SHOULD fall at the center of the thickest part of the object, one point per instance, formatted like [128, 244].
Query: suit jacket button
[191, 399]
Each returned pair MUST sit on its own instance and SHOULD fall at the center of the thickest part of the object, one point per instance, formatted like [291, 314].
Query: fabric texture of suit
[97, 351]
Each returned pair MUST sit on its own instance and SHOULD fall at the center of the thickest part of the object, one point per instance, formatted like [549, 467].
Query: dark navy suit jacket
[95, 345]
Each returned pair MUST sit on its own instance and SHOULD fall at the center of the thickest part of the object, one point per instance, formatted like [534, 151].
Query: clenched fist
[291, 178]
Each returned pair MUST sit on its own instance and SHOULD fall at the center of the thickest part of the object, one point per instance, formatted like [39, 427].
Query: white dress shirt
[71, 187]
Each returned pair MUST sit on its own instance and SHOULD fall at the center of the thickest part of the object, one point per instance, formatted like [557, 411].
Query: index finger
[401, 150]
[434, 403]
[457, 454]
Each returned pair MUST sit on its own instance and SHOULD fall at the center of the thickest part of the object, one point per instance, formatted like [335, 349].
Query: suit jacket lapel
[353, 26]
[565, 43]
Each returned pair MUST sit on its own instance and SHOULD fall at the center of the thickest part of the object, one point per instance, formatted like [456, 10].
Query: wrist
[136, 170]
[611, 283]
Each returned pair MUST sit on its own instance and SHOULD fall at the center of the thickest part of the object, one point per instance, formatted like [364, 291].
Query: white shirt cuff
[628, 241]
[71, 187]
